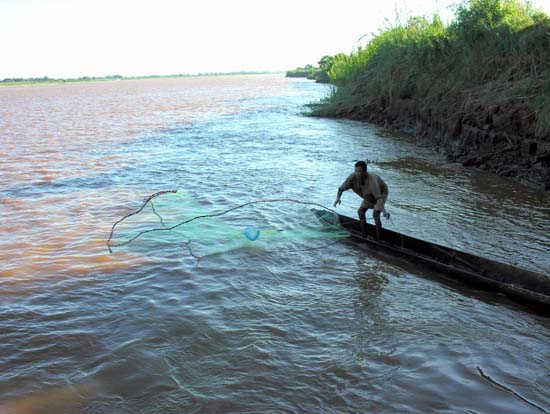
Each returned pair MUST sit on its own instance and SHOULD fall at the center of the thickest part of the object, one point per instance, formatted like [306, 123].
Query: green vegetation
[308, 71]
[46, 79]
[319, 74]
[496, 52]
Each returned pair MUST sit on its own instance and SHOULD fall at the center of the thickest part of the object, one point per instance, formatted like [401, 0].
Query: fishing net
[204, 227]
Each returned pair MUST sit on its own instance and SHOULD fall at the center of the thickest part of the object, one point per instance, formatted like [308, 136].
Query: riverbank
[478, 90]
[478, 128]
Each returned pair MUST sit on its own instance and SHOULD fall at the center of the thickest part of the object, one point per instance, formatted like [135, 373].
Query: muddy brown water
[336, 329]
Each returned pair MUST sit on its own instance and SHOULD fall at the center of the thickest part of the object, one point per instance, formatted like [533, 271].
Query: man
[372, 190]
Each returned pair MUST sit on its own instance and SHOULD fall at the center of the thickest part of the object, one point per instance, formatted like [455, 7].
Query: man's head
[360, 169]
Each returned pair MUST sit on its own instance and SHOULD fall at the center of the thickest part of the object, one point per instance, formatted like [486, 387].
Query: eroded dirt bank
[500, 137]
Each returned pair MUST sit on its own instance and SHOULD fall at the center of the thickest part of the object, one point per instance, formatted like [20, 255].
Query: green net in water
[204, 228]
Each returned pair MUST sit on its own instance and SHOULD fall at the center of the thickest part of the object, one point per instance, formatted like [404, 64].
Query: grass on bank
[499, 45]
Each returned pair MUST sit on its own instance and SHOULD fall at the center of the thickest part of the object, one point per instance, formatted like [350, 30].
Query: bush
[499, 41]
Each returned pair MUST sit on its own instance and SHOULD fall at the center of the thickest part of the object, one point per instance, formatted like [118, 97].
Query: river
[261, 327]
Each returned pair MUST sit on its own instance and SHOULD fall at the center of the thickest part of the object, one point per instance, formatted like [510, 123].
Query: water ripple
[261, 327]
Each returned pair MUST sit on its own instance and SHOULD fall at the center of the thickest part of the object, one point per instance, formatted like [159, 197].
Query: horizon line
[46, 78]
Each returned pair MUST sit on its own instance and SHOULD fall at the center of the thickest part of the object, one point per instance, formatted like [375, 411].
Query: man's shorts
[370, 202]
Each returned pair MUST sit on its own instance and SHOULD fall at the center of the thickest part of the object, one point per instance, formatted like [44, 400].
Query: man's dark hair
[361, 164]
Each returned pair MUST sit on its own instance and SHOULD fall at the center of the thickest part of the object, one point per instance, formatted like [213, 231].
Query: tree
[326, 63]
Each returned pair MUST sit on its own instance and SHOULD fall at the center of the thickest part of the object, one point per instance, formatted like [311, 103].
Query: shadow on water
[373, 283]
[371, 279]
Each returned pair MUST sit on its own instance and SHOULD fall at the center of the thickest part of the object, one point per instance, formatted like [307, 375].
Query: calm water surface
[338, 329]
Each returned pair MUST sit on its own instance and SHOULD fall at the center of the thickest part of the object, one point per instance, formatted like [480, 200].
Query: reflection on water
[273, 329]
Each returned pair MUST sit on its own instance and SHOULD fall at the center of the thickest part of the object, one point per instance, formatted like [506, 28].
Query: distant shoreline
[46, 80]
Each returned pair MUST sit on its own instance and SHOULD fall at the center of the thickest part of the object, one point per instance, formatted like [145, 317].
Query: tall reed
[502, 45]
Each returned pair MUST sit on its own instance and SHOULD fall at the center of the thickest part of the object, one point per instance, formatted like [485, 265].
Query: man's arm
[346, 185]
[338, 201]
[379, 190]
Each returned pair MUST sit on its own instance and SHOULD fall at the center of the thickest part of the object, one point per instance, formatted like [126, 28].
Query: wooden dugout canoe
[521, 285]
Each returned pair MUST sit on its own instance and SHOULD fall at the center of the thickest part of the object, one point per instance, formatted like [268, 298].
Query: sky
[74, 38]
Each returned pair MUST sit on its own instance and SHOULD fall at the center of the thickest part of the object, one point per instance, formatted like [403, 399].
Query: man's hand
[386, 215]
[337, 202]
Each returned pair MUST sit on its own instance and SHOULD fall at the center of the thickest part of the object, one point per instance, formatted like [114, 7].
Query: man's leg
[378, 224]
[363, 221]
